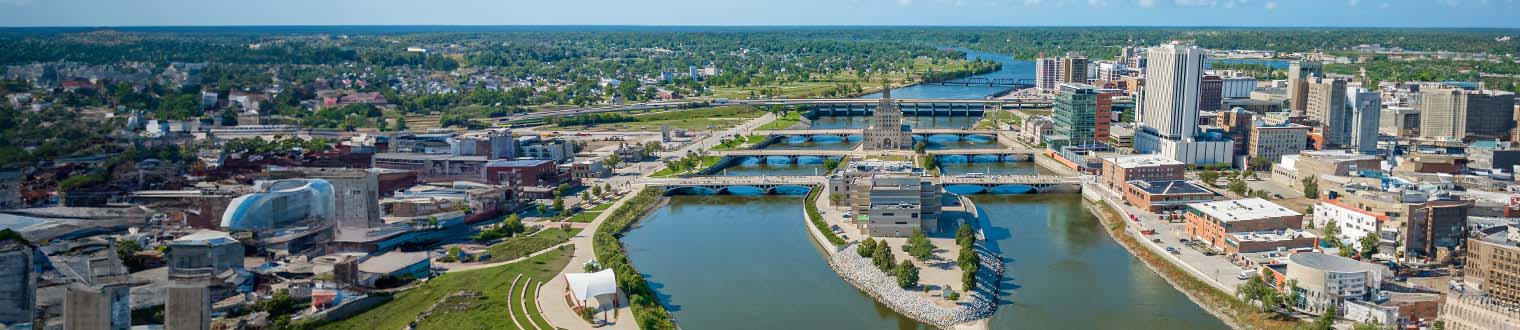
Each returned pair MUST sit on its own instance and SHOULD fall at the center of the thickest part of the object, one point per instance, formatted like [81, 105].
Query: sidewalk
[551, 297]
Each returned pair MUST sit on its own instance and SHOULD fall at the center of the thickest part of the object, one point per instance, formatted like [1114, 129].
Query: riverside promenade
[969, 313]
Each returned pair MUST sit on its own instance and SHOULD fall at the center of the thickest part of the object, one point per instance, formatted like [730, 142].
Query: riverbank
[1223, 305]
[647, 309]
[968, 313]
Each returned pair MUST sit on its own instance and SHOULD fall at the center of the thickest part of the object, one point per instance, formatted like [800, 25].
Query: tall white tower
[1171, 90]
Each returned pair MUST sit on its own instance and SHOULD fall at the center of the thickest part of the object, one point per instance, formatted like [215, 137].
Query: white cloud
[1354, 2]
[904, 2]
[1097, 3]
[1147, 3]
[1384, 5]
[1271, 5]
[1031, 2]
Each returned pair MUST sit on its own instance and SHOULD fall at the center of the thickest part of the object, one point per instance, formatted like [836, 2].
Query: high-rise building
[1492, 265]
[18, 281]
[1366, 108]
[1110, 70]
[1210, 93]
[1274, 141]
[1238, 87]
[1452, 113]
[1046, 70]
[1170, 106]
[1326, 105]
[1081, 116]
[1298, 93]
[887, 131]
[1073, 68]
[1168, 114]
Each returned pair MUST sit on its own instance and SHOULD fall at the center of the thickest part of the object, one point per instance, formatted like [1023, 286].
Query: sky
[1289, 13]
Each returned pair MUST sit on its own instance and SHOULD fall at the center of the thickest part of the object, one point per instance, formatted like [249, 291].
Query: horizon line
[28, 27]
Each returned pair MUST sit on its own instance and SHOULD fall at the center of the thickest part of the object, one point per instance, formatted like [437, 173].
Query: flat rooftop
[1141, 161]
[1243, 209]
[1168, 187]
[1271, 235]
[1332, 263]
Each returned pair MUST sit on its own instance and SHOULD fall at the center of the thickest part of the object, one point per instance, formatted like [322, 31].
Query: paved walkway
[551, 297]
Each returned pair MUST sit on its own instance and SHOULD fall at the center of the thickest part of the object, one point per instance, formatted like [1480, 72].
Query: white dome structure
[280, 202]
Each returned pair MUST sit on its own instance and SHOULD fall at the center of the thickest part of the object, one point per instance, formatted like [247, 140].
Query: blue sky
[1355, 13]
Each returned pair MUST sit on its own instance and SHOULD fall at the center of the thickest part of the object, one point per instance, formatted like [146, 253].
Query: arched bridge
[774, 185]
[1010, 184]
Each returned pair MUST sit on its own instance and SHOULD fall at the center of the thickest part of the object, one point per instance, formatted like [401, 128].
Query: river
[747, 262]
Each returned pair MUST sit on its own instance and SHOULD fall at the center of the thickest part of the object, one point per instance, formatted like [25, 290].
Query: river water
[748, 262]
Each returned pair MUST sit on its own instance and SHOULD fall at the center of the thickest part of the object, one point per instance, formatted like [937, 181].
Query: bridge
[1010, 184]
[780, 152]
[856, 131]
[733, 185]
[831, 106]
[1002, 82]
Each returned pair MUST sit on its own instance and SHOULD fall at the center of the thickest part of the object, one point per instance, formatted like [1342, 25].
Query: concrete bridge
[769, 185]
[844, 132]
[999, 82]
[1010, 184]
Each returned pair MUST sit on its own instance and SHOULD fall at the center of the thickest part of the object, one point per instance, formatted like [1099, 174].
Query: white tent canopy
[587, 286]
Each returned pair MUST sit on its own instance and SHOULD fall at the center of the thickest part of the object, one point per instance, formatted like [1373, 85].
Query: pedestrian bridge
[1010, 184]
[769, 185]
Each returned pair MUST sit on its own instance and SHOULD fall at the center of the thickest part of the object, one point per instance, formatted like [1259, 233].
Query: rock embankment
[973, 305]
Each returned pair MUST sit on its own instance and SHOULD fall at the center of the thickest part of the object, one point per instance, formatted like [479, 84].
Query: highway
[757, 102]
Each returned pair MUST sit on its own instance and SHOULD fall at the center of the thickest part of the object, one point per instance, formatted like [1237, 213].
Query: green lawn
[720, 117]
[516, 303]
[585, 217]
[783, 122]
[993, 118]
[702, 163]
[488, 313]
[529, 299]
[600, 207]
[517, 247]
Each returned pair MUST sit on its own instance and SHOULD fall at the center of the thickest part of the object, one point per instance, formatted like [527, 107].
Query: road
[760, 102]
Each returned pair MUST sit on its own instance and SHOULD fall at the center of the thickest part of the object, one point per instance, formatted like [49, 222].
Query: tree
[596, 190]
[883, 258]
[965, 235]
[907, 275]
[1367, 326]
[968, 277]
[1208, 177]
[919, 246]
[866, 248]
[1238, 187]
[585, 195]
[612, 160]
[1311, 187]
[1369, 246]
[559, 204]
[125, 249]
[1332, 233]
[1326, 321]
[543, 209]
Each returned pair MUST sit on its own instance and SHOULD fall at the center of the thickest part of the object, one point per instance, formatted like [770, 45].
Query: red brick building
[1164, 195]
[1118, 171]
[524, 173]
[1247, 225]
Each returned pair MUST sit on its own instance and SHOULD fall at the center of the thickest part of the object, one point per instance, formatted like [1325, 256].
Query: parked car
[1173, 250]
[1156, 240]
